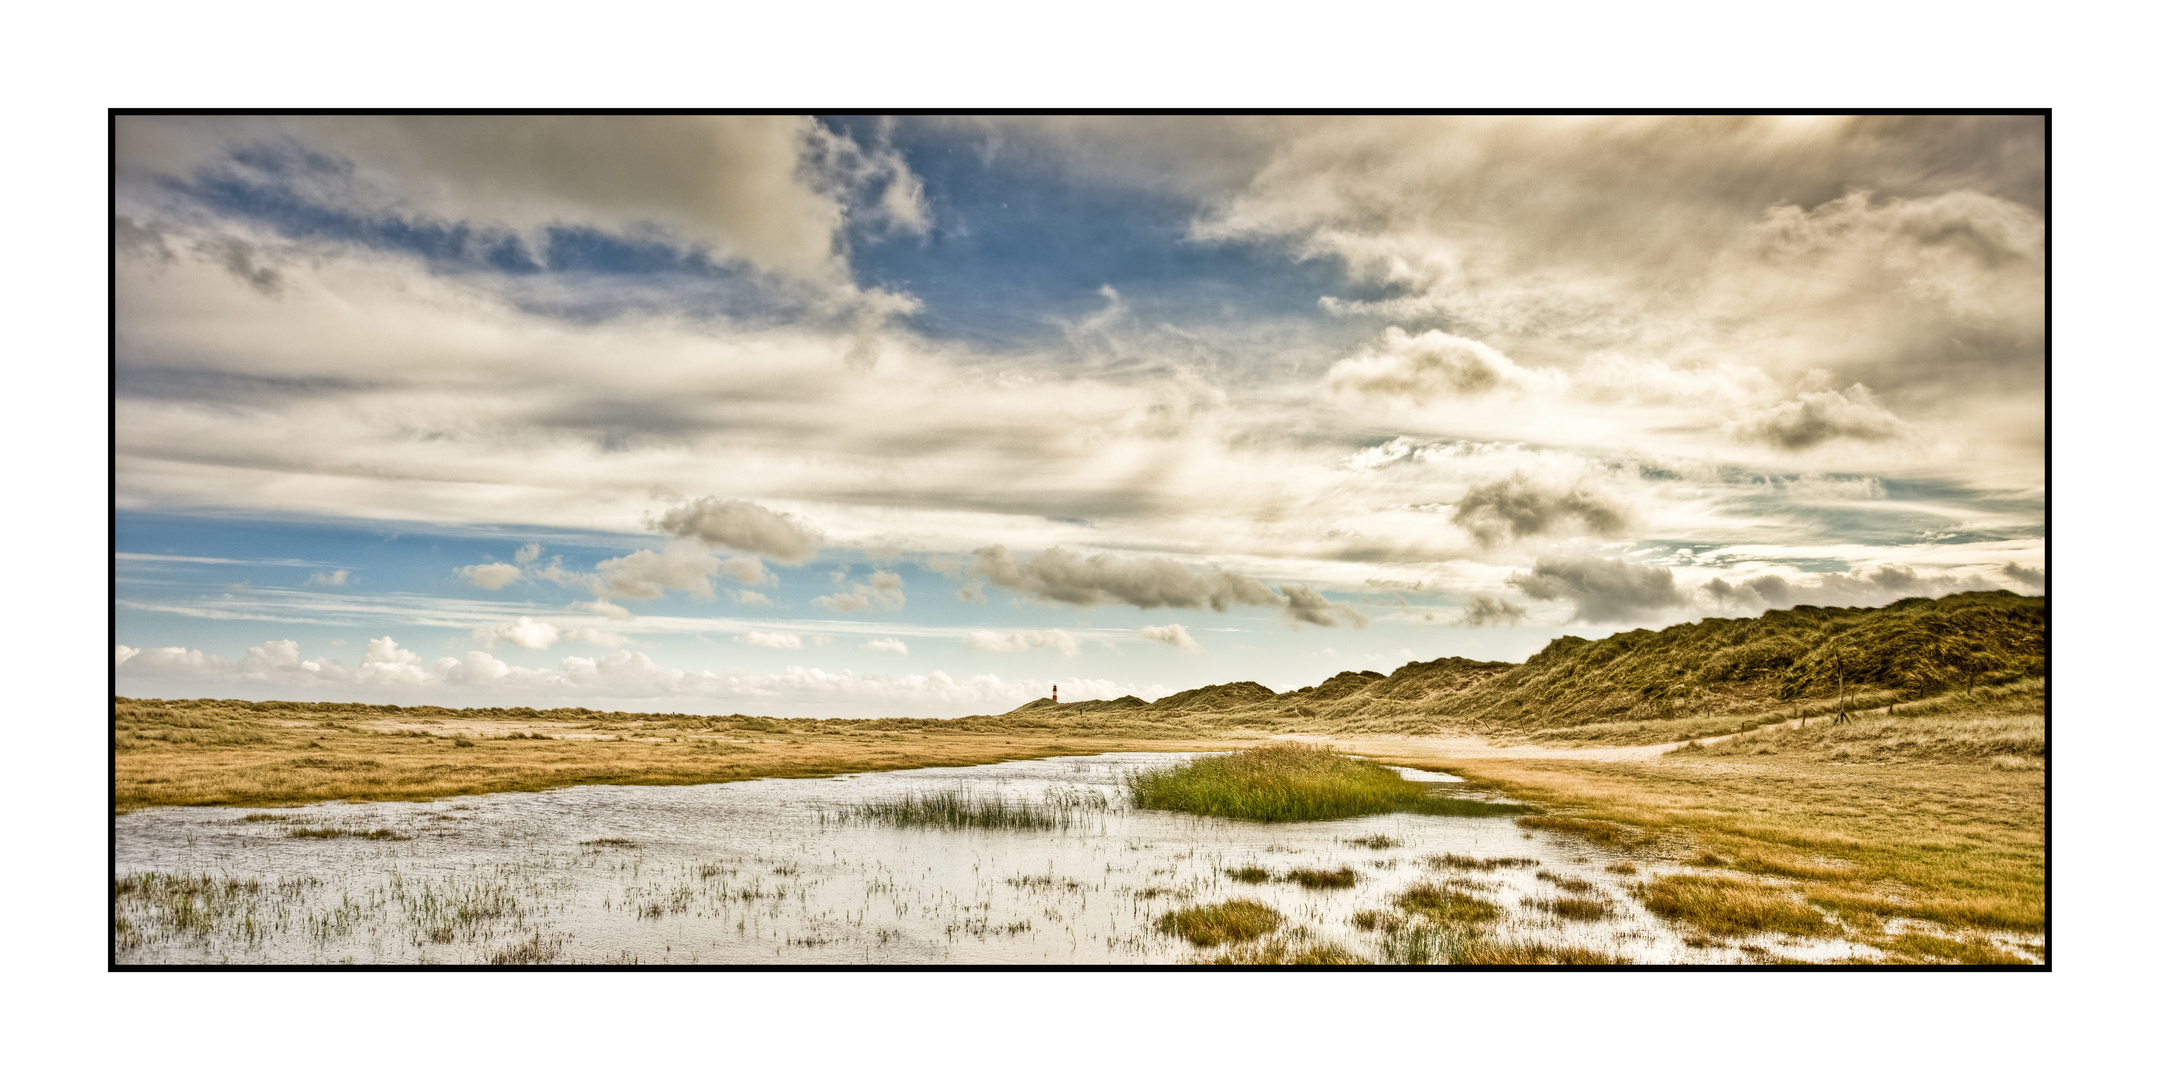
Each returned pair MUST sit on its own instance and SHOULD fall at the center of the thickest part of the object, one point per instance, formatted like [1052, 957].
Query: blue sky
[862, 416]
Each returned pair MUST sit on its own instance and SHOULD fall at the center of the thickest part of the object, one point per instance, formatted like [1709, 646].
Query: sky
[863, 416]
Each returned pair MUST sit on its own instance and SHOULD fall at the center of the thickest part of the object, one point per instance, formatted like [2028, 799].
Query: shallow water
[763, 872]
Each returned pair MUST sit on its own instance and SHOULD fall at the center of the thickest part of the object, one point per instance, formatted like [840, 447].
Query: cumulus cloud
[2029, 577]
[1604, 591]
[491, 576]
[1173, 635]
[336, 577]
[1493, 611]
[1023, 641]
[891, 645]
[1101, 579]
[1434, 364]
[527, 554]
[646, 574]
[775, 640]
[1863, 587]
[1818, 417]
[971, 594]
[883, 591]
[1519, 506]
[754, 599]
[1304, 604]
[603, 608]
[742, 526]
[605, 638]
[522, 632]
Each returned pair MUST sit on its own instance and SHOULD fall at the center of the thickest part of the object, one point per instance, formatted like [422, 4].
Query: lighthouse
[1053, 693]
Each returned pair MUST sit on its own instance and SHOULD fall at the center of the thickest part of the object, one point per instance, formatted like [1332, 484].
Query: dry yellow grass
[213, 754]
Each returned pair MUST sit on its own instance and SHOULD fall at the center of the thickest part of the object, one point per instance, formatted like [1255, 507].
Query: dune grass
[1214, 924]
[1291, 782]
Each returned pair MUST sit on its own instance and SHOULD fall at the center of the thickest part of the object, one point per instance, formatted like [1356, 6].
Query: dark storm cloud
[1603, 590]
[1059, 575]
[1493, 611]
[1519, 506]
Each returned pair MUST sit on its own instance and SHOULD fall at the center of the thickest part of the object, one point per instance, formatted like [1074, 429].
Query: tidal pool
[778, 872]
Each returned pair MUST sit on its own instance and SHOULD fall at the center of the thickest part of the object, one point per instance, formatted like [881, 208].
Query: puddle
[779, 872]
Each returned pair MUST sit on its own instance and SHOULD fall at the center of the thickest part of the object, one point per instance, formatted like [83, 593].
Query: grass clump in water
[1342, 877]
[1441, 904]
[1293, 783]
[1250, 875]
[336, 833]
[1214, 924]
[1729, 906]
[1061, 809]
[1579, 908]
[1279, 952]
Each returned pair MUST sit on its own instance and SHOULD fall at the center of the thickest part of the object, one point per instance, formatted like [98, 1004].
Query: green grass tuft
[1293, 783]
[1213, 924]
[1061, 809]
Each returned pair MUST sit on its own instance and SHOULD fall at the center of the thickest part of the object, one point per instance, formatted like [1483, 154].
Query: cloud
[1100, 579]
[1303, 604]
[1604, 591]
[891, 645]
[491, 576]
[1434, 364]
[383, 664]
[2026, 576]
[748, 570]
[522, 632]
[602, 607]
[1816, 418]
[1172, 635]
[883, 592]
[644, 574]
[603, 638]
[1862, 587]
[1023, 641]
[743, 526]
[336, 577]
[971, 594]
[1518, 507]
[527, 554]
[774, 191]
[755, 599]
[1493, 611]
[766, 640]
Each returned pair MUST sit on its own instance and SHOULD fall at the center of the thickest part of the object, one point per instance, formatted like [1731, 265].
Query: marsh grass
[337, 833]
[1060, 809]
[1931, 949]
[537, 949]
[1448, 906]
[1375, 842]
[1579, 908]
[1293, 783]
[1576, 885]
[1452, 861]
[1250, 875]
[1342, 877]
[609, 842]
[1287, 951]
[1214, 924]
[1727, 906]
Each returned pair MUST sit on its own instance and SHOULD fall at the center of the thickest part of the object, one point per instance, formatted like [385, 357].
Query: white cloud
[755, 599]
[1023, 641]
[603, 607]
[336, 577]
[748, 570]
[604, 638]
[1173, 635]
[491, 576]
[891, 645]
[766, 640]
[645, 574]
[883, 591]
[522, 632]
[527, 554]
